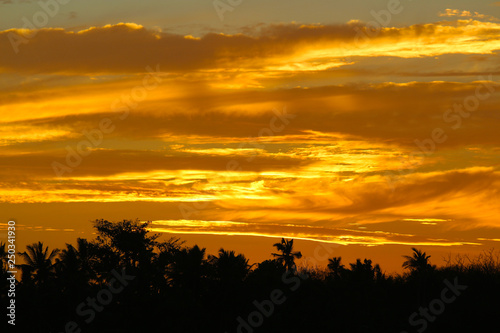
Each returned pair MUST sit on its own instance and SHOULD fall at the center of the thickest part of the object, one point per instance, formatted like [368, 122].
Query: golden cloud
[128, 47]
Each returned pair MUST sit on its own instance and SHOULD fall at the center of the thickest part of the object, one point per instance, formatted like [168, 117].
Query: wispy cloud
[274, 50]
[311, 233]
[466, 14]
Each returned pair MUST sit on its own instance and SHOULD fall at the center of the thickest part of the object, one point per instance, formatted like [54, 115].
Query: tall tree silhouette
[229, 267]
[167, 251]
[38, 262]
[129, 239]
[74, 265]
[287, 255]
[364, 271]
[188, 268]
[420, 273]
[335, 267]
[418, 262]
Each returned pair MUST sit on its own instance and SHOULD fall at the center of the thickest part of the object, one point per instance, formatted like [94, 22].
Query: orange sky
[371, 141]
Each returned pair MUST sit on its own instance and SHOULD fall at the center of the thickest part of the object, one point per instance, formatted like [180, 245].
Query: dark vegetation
[182, 289]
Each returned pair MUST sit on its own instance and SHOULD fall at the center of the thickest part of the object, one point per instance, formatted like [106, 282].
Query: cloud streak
[124, 47]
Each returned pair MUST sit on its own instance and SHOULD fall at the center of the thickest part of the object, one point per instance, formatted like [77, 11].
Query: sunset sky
[368, 126]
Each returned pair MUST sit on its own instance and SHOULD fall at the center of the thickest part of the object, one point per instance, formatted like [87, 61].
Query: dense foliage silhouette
[165, 286]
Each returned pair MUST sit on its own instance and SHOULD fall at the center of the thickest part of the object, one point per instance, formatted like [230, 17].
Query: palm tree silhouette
[38, 262]
[287, 256]
[230, 267]
[418, 262]
[364, 271]
[75, 264]
[336, 268]
[420, 269]
[188, 268]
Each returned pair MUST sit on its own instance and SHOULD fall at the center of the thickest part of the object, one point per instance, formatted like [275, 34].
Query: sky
[360, 128]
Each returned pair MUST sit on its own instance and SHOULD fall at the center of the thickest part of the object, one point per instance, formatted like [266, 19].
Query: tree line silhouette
[175, 288]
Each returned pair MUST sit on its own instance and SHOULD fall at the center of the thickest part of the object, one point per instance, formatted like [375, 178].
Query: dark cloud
[129, 47]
